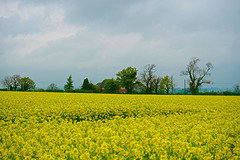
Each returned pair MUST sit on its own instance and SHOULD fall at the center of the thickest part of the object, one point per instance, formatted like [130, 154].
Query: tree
[172, 83]
[6, 82]
[156, 82]
[196, 74]
[86, 85]
[26, 83]
[127, 78]
[52, 86]
[95, 88]
[11, 83]
[165, 85]
[111, 85]
[236, 88]
[147, 77]
[69, 84]
[15, 81]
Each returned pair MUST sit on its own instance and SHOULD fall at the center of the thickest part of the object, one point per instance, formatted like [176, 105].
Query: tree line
[15, 82]
[147, 82]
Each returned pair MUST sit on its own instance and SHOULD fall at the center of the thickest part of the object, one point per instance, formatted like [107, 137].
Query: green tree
[127, 78]
[196, 74]
[26, 83]
[165, 85]
[86, 85]
[69, 84]
[111, 85]
[95, 88]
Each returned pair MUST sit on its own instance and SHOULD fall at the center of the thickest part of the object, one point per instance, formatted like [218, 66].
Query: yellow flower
[104, 126]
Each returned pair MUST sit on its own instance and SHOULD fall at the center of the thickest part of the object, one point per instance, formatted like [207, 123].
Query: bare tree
[156, 82]
[147, 77]
[236, 88]
[52, 86]
[6, 82]
[172, 83]
[197, 74]
[11, 82]
[15, 81]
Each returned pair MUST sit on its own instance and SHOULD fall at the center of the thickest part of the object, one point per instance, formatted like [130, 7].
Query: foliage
[230, 93]
[111, 85]
[165, 85]
[106, 126]
[69, 85]
[69, 90]
[86, 85]
[196, 74]
[26, 83]
[127, 78]
[95, 88]
[57, 90]
[41, 90]
[209, 93]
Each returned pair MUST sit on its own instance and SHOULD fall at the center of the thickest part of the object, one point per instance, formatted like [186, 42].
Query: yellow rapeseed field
[106, 126]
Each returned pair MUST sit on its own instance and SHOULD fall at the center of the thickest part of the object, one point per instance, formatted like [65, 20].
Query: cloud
[27, 43]
[52, 24]
[24, 13]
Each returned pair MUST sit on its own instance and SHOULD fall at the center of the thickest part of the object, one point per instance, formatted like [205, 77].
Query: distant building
[122, 90]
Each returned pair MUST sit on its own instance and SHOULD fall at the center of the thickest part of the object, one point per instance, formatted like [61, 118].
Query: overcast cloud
[49, 40]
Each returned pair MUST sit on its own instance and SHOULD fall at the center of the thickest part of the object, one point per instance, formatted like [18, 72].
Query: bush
[78, 91]
[40, 90]
[69, 90]
[31, 90]
[209, 93]
[230, 93]
[54, 90]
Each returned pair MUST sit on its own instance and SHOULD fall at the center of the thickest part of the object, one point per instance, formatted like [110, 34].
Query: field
[107, 126]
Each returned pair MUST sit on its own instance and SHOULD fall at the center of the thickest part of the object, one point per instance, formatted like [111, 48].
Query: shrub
[40, 90]
[3, 89]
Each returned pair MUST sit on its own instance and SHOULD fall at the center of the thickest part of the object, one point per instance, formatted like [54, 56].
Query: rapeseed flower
[103, 126]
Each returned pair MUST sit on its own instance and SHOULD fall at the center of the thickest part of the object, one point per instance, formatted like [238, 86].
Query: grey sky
[49, 40]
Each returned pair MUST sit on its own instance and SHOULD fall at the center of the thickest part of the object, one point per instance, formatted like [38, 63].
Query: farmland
[115, 126]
